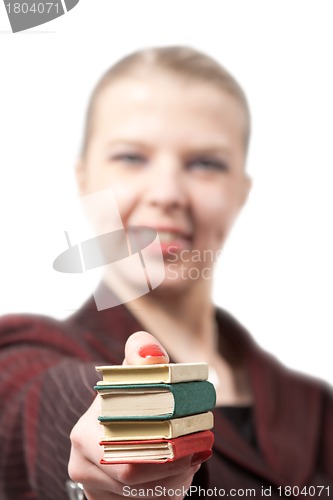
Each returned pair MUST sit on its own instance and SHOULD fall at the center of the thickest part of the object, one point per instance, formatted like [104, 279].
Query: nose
[166, 185]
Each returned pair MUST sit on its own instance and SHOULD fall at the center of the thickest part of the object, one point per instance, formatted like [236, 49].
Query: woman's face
[173, 153]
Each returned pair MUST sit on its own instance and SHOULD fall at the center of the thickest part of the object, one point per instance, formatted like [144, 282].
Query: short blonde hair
[184, 62]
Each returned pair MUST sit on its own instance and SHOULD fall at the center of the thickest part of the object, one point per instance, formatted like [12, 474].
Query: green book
[155, 401]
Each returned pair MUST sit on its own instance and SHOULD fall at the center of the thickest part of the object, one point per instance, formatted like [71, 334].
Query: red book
[156, 450]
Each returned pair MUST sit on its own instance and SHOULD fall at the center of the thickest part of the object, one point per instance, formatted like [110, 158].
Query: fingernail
[199, 458]
[151, 351]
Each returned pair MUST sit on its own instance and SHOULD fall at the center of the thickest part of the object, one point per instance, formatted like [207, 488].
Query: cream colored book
[122, 430]
[171, 373]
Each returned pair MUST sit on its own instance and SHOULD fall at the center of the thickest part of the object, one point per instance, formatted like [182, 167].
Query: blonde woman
[167, 130]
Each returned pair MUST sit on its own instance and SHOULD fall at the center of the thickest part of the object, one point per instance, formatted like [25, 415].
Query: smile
[169, 236]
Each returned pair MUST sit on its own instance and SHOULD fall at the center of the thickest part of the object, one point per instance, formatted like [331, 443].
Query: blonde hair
[184, 62]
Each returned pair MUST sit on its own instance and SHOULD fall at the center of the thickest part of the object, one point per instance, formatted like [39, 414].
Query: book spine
[192, 398]
[192, 443]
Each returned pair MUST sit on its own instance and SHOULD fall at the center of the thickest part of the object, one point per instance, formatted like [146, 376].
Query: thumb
[143, 349]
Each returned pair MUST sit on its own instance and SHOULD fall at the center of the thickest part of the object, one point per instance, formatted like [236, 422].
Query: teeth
[166, 236]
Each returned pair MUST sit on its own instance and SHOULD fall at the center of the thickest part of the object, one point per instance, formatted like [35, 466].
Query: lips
[170, 239]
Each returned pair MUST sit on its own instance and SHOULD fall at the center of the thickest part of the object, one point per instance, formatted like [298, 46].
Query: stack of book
[155, 413]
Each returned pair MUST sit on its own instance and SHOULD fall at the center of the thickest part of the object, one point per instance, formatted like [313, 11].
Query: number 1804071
[311, 491]
[35, 8]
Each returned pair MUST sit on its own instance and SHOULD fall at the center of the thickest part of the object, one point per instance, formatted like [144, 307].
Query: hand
[106, 482]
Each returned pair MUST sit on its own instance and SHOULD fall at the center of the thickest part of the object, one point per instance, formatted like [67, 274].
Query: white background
[276, 273]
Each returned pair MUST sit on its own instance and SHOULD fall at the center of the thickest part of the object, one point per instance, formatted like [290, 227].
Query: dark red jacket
[47, 371]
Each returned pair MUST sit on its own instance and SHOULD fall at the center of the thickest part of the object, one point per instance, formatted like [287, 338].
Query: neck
[184, 323]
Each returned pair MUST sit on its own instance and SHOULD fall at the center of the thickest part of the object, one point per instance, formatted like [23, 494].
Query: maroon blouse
[47, 371]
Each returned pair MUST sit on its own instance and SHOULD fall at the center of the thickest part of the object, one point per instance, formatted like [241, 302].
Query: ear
[245, 189]
[80, 174]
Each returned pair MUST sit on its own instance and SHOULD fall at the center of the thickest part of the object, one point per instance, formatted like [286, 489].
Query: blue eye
[208, 164]
[130, 158]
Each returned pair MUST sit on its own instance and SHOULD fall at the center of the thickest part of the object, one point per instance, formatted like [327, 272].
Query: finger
[94, 481]
[144, 349]
[121, 478]
[167, 483]
[134, 474]
[98, 494]
[168, 488]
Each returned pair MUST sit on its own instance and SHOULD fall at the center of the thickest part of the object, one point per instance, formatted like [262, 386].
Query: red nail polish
[151, 351]
[199, 458]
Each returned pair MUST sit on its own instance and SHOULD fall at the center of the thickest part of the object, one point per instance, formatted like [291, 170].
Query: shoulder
[293, 411]
[28, 324]
[37, 332]
[87, 334]
[260, 362]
